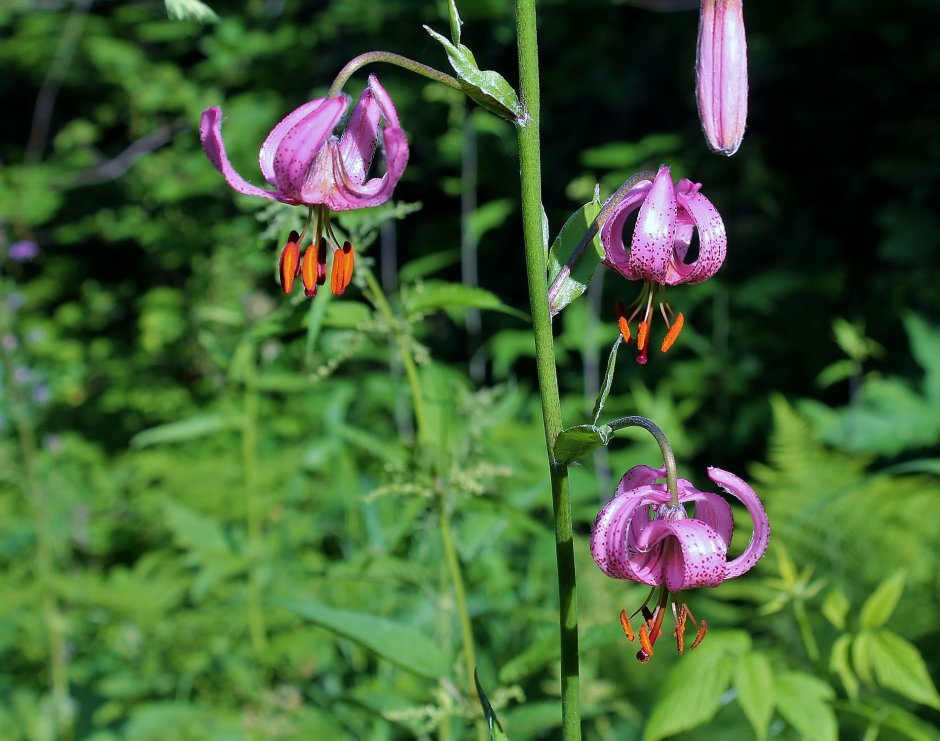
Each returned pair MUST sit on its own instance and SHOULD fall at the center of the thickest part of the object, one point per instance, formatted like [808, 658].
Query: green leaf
[190, 10]
[925, 347]
[403, 645]
[881, 603]
[862, 656]
[900, 667]
[347, 315]
[455, 22]
[574, 443]
[835, 607]
[575, 278]
[839, 663]
[802, 700]
[608, 380]
[492, 722]
[487, 88]
[185, 430]
[432, 296]
[754, 683]
[696, 685]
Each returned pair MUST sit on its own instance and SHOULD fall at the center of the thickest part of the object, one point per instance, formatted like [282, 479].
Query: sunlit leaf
[803, 701]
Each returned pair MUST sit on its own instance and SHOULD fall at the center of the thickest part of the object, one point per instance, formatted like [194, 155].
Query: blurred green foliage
[214, 520]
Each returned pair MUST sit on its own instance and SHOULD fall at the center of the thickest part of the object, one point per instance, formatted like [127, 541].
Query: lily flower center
[651, 293]
[652, 625]
[312, 267]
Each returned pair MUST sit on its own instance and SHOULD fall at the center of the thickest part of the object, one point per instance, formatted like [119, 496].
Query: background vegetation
[213, 520]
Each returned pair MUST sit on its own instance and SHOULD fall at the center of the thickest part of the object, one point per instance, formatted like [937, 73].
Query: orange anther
[309, 271]
[673, 332]
[680, 617]
[343, 260]
[699, 637]
[646, 645]
[289, 264]
[622, 322]
[642, 335]
[625, 624]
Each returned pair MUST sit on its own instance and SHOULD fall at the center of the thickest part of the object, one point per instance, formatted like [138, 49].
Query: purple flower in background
[668, 216]
[309, 165]
[721, 74]
[640, 536]
[23, 251]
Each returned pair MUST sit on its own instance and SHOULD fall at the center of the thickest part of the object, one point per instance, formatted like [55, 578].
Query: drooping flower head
[309, 165]
[669, 214]
[641, 535]
[721, 74]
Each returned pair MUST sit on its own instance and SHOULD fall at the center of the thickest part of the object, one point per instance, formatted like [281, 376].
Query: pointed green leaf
[835, 607]
[190, 10]
[803, 701]
[608, 380]
[881, 603]
[486, 87]
[492, 722]
[574, 443]
[403, 645]
[453, 298]
[574, 278]
[839, 663]
[185, 430]
[754, 683]
[693, 690]
[455, 22]
[900, 667]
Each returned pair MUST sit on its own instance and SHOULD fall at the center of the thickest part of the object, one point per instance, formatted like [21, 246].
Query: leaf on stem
[492, 722]
[573, 443]
[488, 88]
[608, 380]
[568, 281]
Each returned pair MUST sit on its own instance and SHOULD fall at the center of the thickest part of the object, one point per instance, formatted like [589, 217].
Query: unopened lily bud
[721, 74]
[289, 264]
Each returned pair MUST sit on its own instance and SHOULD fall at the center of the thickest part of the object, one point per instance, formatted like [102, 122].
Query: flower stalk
[669, 458]
[531, 184]
[357, 63]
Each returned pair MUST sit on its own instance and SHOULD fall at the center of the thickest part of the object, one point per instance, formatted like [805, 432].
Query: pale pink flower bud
[721, 74]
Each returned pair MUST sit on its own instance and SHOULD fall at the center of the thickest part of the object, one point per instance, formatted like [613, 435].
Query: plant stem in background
[256, 622]
[424, 441]
[531, 179]
[55, 623]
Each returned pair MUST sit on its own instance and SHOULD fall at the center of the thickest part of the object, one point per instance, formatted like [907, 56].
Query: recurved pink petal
[745, 494]
[617, 526]
[639, 476]
[715, 512]
[357, 144]
[297, 150]
[696, 210]
[273, 140]
[651, 248]
[692, 554]
[615, 254]
[347, 194]
[210, 133]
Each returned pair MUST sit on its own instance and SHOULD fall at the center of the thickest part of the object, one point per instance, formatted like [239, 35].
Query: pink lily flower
[641, 536]
[721, 74]
[668, 216]
[309, 165]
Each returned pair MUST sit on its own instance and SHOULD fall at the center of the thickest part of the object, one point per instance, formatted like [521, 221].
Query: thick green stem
[531, 177]
[256, 622]
[399, 61]
[669, 458]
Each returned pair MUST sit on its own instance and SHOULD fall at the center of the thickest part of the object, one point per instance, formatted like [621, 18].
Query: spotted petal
[299, 147]
[325, 109]
[696, 212]
[688, 553]
[617, 527]
[745, 494]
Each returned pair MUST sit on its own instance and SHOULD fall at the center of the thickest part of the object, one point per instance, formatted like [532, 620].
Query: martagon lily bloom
[309, 165]
[642, 536]
[668, 216]
[721, 74]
